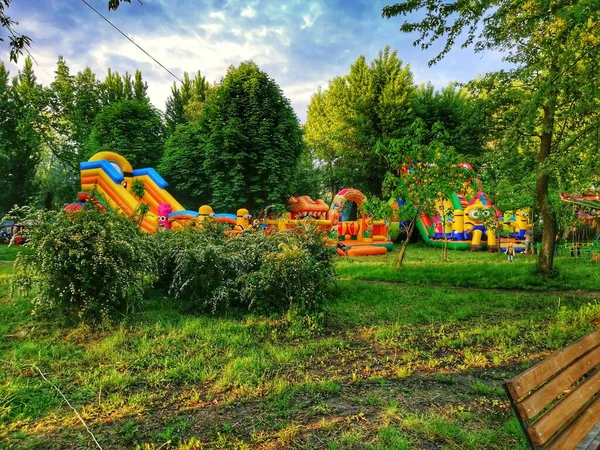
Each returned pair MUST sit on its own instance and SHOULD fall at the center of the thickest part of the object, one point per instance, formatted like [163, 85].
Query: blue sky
[301, 44]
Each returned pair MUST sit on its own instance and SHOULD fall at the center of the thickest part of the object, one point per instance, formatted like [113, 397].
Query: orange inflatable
[364, 250]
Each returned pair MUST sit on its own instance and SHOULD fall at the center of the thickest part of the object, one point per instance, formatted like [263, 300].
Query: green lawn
[9, 253]
[424, 265]
[398, 366]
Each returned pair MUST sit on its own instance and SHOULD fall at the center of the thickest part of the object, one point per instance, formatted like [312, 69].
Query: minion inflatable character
[205, 212]
[242, 221]
[477, 216]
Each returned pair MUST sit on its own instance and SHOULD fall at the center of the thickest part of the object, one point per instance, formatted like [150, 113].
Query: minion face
[164, 209]
[243, 218]
[479, 213]
[205, 212]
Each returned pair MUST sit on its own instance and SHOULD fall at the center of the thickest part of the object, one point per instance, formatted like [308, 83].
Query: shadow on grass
[465, 409]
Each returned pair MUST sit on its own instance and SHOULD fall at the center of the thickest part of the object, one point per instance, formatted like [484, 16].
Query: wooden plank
[546, 426]
[534, 404]
[536, 375]
[576, 431]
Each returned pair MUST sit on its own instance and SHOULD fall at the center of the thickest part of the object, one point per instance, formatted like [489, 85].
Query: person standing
[510, 252]
[529, 242]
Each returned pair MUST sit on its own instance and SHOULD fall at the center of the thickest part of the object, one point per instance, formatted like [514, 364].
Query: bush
[288, 270]
[89, 265]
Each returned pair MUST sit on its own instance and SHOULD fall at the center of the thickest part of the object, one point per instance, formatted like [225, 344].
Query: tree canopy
[345, 123]
[253, 140]
[547, 101]
[132, 128]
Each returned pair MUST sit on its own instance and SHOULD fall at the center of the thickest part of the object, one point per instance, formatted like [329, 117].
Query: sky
[301, 44]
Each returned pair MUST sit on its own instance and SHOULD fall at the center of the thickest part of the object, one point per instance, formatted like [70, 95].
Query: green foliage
[138, 188]
[308, 179]
[426, 168]
[19, 214]
[377, 208]
[89, 266]
[116, 88]
[253, 141]
[546, 104]
[182, 164]
[460, 114]
[17, 42]
[185, 103]
[20, 143]
[289, 270]
[131, 128]
[370, 104]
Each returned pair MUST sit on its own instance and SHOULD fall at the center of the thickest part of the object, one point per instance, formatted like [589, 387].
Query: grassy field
[410, 359]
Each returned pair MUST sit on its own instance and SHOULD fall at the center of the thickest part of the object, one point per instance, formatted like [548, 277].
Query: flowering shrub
[89, 265]
[290, 278]
[274, 273]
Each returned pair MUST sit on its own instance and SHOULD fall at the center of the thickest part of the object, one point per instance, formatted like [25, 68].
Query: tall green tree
[131, 128]
[140, 87]
[185, 102]
[251, 142]
[20, 143]
[547, 100]
[358, 112]
[460, 114]
[426, 169]
[182, 165]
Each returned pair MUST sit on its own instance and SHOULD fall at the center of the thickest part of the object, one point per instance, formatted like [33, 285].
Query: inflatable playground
[465, 221]
[108, 180]
[583, 237]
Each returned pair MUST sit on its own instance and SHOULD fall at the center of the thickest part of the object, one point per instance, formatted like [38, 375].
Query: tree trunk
[550, 226]
[445, 248]
[402, 252]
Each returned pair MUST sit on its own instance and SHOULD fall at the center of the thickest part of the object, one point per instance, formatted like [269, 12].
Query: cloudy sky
[301, 44]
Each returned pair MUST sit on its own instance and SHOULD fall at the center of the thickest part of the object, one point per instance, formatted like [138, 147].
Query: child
[510, 252]
[529, 242]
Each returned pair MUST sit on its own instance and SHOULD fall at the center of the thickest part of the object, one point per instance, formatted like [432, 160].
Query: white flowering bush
[89, 265]
[289, 270]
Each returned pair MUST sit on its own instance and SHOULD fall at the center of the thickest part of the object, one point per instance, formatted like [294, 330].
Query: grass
[9, 253]
[424, 265]
[397, 366]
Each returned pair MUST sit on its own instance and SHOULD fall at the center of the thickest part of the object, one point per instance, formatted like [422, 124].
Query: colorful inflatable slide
[110, 177]
[464, 222]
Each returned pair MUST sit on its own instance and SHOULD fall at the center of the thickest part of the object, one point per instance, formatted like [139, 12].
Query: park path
[554, 292]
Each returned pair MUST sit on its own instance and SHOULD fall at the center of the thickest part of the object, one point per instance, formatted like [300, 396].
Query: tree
[182, 165]
[548, 96]
[459, 113]
[185, 103]
[253, 140]
[20, 143]
[426, 169]
[131, 128]
[357, 112]
[17, 42]
[140, 88]
[308, 177]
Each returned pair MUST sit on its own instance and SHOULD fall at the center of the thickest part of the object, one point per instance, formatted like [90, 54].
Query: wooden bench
[557, 400]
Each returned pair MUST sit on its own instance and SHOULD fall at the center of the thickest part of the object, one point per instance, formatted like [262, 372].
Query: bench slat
[574, 433]
[546, 426]
[536, 375]
[534, 404]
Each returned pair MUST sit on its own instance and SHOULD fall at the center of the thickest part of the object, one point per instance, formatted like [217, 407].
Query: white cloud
[182, 54]
[217, 15]
[310, 18]
[248, 11]
[212, 28]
